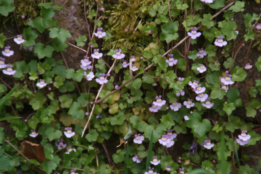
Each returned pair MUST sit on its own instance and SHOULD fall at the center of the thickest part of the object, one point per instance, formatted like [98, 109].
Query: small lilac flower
[193, 84]
[154, 108]
[181, 170]
[237, 31]
[207, 1]
[227, 80]
[138, 139]
[186, 118]
[248, 66]
[150, 171]
[219, 42]
[132, 59]
[150, 32]
[86, 113]
[180, 93]
[241, 142]
[69, 133]
[189, 103]
[194, 34]
[102, 80]
[60, 144]
[101, 9]
[96, 54]
[19, 40]
[207, 144]
[159, 102]
[171, 135]
[19, 171]
[99, 33]
[164, 140]
[73, 171]
[243, 138]
[7, 52]
[201, 53]
[69, 149]
[134, 67]
[154, 84]
[202, 68]
[86, 67]
[199, 89]
[99, 116]
[168, 168]
[208, 104]
[181, 78]
[89, 76]
[86, 61]
[41, 84]
[258, 26]
[224, 87]
[175, 106]
[9, 70]
[155, 161]
[124, 64]
[171, 61]
[202, 97]
[33, 133]
[193, 147]
[136, 159]
[2, 63]
[118, 54]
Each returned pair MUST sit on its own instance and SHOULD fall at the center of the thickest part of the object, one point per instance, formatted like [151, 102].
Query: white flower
[159, 101]
[86, 61]
[99, 33]
[243, 136]
[180, 93]
[248, 66]
[207, 1]
[175, 106]
[208, 104]
[194, 34]
[89, 76]
[41, 84]
[134, 67]
[19, 40]
[201, 68]
[118, 54]
[9, 70]
[202, 97]
[102, 80]
[227, 80]
[138, 139]
[69, 133]
[155, 161]
[2, 63]
[96, 54]
[69, 149]
[33, 133]
[136, 159]
[124, 64]
[186, 118]
[193, 84]
[219, 42]
[7, 52]
[154, 108]
[201, 53]
[189, 103]
[199, 89]
[207, 144]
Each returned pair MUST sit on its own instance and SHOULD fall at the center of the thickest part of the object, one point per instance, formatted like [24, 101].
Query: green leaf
[37, 101]
[59, 33]
[2, 135]
[229, 30]
[69, 73]
[228, 63]
[66, 101]
[149, 152]
[207, 20]
[216, 93]
[118, 156]
[249, 19]
[137, 83]
[147, 79]
[229, 108]
[238, 6]
[47, 13]
[200, 128]
[213, 77]
[167, 121]
[29, 36]
[49, 166]
[92, 13]
[40, 23]
[118, 119]
[239, 74]
[232, 95]
[75, 111]
[53, 134]
[6, 6]
[169, 31]
[258, 64]
[92, 135]
[113, 109]
[252, 106]
[2, 39]
[21, 68]
[4, 160]
[249, 36]
[58, 45]
[217, 4]
[78, 75]
[83, 99]
[43, 51]
[81, 40]
[58, 82]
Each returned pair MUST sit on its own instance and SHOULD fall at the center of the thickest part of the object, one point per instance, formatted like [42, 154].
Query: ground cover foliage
[154, 72]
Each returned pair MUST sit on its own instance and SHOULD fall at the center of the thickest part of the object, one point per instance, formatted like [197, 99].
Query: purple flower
[208, 104]
[9, 70]
[69, 149]
[41, 84]
[248, 66]
[73, 171]
[99, 33]
[202, 68]
[98, 116]
[193, 147]
[132, 59]
[85, 67]
[258, 26]
[168, 168]
[224, 87]
[118, 54]
[19, 40]
[189, 103]
[199, 89]
[155, 161]
[7, 52]
[86, 61]
[96, 54]
[134, 67]
[207, 1]
[171, 135]
[33, 133]
[2, 63]
[136, 159]
[194, 34]
[60, 144]
[101, 9]
[241, 142]
[150, 171]
[175, 106]
[154, 108]
[207, 144]
[124, 64]
[86, 113]
[186, 118]
[138, 139]
[180, 78]
[193, 84]
[69, 133]
[159, 102]
[89, 76]
[202, 97]
[219, 42]
[201, 53]
[227, 80]
[171, 60]
[164, 140]
[102, 80]
[243, 138]
[180, 93]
